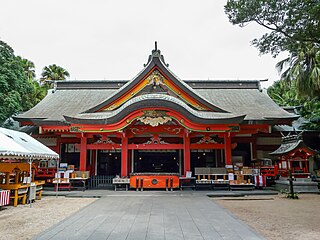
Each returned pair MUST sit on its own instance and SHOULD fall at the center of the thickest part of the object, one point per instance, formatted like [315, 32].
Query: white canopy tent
[18, 145]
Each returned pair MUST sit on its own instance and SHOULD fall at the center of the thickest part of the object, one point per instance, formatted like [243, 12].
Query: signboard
[32, 192]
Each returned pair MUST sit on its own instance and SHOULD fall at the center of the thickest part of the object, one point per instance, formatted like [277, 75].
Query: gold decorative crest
[154, 118]
[155, 78]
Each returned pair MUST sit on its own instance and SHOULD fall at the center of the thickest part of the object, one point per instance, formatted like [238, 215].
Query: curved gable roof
[155, 62]
[158, 101]
[76, 99]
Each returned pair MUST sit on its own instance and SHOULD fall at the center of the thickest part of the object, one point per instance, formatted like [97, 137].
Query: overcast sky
[109, 39]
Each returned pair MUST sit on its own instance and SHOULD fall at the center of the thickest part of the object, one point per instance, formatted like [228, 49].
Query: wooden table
[63, 183]
[83, 181]
[187, 182]
[119, 182]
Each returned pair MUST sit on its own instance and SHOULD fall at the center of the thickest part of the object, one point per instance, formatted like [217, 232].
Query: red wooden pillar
[254, 148]
[83, 153]
[57, 148]
[129, 156]
[93, 162]
[124, 155]
[227, 149]
[186, 153]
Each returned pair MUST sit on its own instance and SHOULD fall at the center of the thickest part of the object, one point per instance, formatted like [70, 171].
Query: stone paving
[151, 215]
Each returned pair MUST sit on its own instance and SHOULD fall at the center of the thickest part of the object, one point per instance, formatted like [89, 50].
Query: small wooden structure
[154, 180]
[293, 154]
[17, 153]
[12, 178]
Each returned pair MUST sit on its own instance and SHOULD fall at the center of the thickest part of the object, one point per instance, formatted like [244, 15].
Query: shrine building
[155, 123]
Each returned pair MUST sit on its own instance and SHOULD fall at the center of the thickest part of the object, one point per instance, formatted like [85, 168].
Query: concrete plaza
[151, 215]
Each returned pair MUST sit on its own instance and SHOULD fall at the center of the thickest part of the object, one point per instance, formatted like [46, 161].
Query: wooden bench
[39, 189]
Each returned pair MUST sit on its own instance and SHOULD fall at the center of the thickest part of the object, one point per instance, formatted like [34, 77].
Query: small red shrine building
[293, 154]
[155, 122]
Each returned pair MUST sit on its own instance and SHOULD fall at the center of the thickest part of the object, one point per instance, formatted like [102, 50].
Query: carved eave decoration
[155, 140]
[104, 140]
[137, 130]
[208, 139]
[154, 118]
[174, 130]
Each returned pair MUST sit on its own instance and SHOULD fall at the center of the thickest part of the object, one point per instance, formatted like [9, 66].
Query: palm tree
[284, 94]
[302, 68]
[38, 92]
[53, 72]
[28, 67]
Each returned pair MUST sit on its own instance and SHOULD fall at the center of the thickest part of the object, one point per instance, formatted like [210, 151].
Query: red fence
[4, 197]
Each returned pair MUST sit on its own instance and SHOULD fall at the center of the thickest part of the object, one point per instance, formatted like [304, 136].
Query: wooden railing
[96, 182]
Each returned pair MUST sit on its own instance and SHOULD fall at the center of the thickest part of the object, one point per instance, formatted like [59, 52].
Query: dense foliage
[291, 23]
[302, 68]
[18, 89]
[284, 94]
[14, 86]
[292, 26]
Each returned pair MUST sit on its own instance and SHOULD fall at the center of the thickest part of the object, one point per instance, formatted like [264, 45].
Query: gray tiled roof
[290, 145]
[235, 98]
[66, 102]
[255, 104]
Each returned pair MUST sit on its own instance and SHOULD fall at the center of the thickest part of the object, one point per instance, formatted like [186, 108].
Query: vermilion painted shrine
[156, 123]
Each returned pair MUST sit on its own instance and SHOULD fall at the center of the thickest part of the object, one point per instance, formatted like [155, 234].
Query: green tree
[293, 26]
[28, 67]
[36, 92]
[302, 68]
[285, 94]
[53, 72]
[290, 23]
[16, 88]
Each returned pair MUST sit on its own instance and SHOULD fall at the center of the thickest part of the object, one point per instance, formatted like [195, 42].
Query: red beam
[255, 128]
[104, 134]
[194, 134]
[155, 146]
[103, 146]
[70, 140]
[206, 146]
[55, 128]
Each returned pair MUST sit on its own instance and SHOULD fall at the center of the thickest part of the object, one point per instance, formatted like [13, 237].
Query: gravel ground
[277, 217]
[23, 222]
